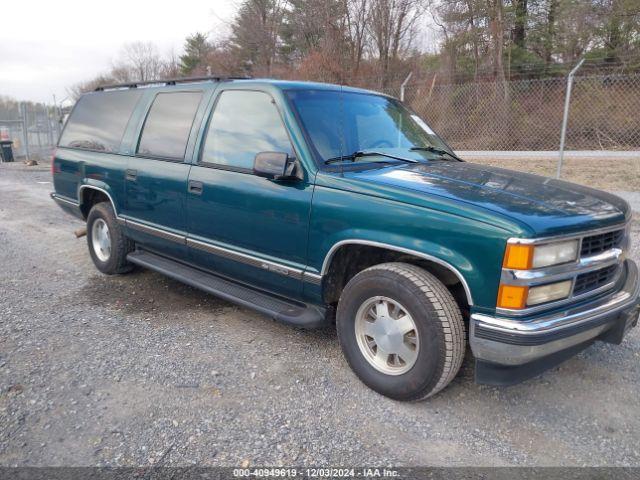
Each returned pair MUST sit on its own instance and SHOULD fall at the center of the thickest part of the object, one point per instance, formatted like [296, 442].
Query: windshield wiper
[437, 151]
[360, 154]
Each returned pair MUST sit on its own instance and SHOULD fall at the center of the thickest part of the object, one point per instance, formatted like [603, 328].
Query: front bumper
[510, 350]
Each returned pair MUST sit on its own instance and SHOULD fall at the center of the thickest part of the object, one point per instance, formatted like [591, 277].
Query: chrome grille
[594, 244]
[586, 282]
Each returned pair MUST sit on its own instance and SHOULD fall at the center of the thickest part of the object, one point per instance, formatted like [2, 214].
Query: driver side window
[243, 124]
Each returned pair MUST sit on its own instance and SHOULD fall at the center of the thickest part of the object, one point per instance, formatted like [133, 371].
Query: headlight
[516, 297]
[525, 256]
[548, 293]
[555, 253]
[528, 256]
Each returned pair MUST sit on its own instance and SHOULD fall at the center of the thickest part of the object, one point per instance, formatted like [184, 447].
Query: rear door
[156, 176]
[243, 226]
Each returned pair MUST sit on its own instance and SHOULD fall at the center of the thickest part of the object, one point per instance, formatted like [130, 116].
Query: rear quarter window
[99, 120]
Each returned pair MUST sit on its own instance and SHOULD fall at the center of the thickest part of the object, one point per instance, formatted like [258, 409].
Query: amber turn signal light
[512, 296]
[518, 256]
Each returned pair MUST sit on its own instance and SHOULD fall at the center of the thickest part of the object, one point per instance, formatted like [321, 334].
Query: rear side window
[243, 124]
[99, 120]
[168, 124]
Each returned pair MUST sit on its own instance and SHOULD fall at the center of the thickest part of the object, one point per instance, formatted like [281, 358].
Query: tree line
[376, 43]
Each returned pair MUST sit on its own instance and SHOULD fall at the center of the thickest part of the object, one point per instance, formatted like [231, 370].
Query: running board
[282, 310]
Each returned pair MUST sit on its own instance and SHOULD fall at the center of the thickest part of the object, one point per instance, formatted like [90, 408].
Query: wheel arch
[89, 195]
[432, 259]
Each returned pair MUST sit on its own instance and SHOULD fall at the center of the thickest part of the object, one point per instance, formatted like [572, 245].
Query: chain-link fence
[33, 128]
[604, 112]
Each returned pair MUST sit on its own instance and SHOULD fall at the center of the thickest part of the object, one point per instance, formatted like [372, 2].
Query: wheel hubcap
[387, 335]
[101, 240]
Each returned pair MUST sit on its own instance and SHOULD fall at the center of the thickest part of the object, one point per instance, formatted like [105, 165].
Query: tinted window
[99, 120]
[242, 125]
[340, 123]
[166, 129]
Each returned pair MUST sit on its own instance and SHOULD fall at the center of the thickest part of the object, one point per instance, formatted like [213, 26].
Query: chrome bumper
[510, 342]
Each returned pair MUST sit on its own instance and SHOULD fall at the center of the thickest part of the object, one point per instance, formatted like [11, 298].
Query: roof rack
[170, 81]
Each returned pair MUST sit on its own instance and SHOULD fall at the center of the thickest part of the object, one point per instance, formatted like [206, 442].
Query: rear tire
[108, 246]
[401, 331]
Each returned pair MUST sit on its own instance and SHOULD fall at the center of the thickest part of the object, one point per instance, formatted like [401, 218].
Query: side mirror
[274, 165]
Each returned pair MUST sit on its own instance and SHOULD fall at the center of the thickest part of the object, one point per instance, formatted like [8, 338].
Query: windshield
[340, 123]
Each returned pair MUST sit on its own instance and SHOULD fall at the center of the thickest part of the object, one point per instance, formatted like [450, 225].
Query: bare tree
[393, 26]
[171, 65]
[356, 22]
[496, 26]
[221, 59]
[75, 91]
[139, 61]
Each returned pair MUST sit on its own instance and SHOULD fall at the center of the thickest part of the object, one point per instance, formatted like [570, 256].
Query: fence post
[25, 129]
[36, 114]
[433, 84]
[565, 117]
[50, 118]
[56, 119]
[404, 84]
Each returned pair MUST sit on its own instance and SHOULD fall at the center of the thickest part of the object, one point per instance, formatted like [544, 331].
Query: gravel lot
[140, 370]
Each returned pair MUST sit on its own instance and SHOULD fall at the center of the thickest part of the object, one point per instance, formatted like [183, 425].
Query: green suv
[320, 204]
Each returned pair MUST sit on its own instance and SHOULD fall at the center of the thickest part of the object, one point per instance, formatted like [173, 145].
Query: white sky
[47, 46]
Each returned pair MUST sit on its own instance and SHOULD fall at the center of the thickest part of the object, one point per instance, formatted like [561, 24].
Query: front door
[242, 226]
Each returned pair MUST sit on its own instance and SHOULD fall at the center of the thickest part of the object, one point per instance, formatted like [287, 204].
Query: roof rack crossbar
[170, 81]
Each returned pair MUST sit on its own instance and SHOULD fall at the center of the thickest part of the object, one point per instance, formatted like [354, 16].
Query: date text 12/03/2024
[316, 472]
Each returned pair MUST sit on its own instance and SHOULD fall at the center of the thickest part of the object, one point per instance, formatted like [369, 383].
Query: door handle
[195, 187]
[131, 175]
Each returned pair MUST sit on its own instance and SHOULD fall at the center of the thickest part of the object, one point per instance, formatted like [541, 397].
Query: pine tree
[196, 50]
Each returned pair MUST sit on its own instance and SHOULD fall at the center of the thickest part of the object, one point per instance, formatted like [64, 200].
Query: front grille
[585, 282]
[595, 244]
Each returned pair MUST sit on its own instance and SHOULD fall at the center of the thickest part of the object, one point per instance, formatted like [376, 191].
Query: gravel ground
[139, 370]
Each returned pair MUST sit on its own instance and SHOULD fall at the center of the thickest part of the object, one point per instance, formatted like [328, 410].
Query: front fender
[471, 249]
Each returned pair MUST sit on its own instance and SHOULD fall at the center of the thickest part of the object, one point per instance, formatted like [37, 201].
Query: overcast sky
[46, 46]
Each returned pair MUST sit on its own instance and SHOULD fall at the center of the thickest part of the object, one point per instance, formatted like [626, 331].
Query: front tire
[401, 331]
[108, 246]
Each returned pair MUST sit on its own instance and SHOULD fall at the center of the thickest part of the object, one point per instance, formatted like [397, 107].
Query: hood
[545, 205]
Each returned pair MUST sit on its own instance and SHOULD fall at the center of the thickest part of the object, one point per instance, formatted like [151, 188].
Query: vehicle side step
[282, 310]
